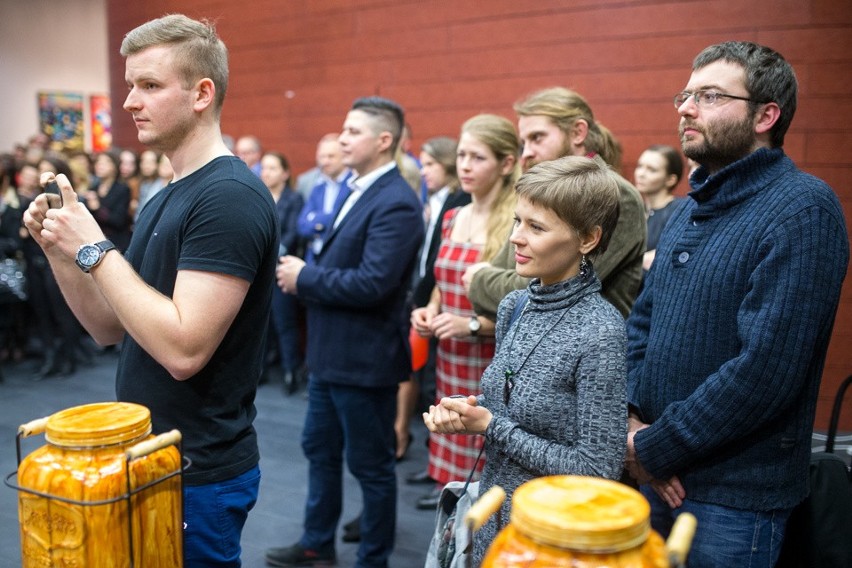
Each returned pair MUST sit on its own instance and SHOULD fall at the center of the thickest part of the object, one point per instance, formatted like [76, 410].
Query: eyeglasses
[706, 98]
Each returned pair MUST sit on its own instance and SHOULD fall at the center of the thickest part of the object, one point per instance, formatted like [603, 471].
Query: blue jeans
[725, 537]
[214, 515]
[358, 423]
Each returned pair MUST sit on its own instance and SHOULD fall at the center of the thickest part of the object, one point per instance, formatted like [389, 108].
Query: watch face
[88, 255]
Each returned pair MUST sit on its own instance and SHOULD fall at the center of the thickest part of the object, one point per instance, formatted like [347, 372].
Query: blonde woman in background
[487, 167]
[438, 168]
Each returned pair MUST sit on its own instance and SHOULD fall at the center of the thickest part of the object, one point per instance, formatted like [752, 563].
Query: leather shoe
[296, 555]
[419, 477]
[290, 384]
[352, 530]
[430, 500]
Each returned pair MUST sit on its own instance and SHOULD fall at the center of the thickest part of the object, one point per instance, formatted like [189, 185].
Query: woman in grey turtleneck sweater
[553, 398]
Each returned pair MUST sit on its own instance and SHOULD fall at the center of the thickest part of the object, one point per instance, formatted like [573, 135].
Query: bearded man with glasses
[727, 341]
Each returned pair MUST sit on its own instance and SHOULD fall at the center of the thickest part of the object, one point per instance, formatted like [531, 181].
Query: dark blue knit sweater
[726, 343]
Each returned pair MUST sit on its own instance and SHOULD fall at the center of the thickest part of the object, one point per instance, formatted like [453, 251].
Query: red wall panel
[297, 66]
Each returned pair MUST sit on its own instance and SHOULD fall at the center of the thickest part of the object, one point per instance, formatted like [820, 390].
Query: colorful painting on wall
[101, 123]
[61, 118]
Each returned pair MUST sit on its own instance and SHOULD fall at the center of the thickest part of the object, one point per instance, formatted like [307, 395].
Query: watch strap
[105, 246]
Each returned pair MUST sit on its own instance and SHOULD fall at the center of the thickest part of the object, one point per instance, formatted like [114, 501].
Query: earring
[584, 267]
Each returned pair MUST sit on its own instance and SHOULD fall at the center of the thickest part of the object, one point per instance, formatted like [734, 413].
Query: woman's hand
[93, 200]
[457, 415]
[421, 321]
[446, 325]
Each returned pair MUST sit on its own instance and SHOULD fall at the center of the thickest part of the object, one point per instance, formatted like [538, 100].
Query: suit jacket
[421, 288]
[313, 222]
[355, 293]
[288, 207]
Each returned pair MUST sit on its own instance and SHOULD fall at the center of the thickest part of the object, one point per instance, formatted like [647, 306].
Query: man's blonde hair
[564, 107]
[198, 51]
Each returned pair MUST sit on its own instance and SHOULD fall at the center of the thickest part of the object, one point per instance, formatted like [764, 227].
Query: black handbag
[819, 531]
[13, 281]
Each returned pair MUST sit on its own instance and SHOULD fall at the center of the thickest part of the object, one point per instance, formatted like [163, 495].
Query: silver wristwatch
[88, 256]
[473, 325]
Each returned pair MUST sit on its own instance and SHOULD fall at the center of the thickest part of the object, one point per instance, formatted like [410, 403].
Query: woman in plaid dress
[487, 165]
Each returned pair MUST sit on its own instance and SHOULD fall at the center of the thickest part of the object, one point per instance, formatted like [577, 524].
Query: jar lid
[580, 513]
[98, 424]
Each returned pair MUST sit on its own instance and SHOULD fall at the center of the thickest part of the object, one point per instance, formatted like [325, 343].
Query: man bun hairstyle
[564, 107]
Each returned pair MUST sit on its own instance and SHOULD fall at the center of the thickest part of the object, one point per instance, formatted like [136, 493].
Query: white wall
[47, 45]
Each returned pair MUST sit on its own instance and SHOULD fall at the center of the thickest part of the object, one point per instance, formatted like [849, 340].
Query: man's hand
[287, 273]
[457, 415]
[634, 423]
[61, 222]
[670, 491]
[631, 462]
[467, 277]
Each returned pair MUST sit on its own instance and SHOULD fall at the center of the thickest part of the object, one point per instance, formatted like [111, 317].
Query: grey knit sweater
[567, 411]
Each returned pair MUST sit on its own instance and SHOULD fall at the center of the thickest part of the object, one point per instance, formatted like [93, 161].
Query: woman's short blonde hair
[582, 191]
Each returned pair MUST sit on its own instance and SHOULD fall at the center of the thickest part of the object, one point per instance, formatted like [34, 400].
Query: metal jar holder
[137, 451]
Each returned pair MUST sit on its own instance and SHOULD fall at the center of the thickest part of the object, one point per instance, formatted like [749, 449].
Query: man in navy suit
[327, 196]
[357, 350]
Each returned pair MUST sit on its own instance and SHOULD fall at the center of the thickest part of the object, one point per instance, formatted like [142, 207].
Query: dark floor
[277, 518]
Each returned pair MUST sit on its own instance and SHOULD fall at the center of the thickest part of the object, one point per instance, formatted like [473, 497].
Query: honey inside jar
[79, 503]
[567, 521]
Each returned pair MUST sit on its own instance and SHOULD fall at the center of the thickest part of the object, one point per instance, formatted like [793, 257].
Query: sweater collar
[738, 181]
[562, 294]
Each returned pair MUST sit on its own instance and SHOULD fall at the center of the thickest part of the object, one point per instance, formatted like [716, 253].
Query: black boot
[290, 383]
[352, 530]
[48, 367]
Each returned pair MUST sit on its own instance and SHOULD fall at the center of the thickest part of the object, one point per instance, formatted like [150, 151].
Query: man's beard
[564, 151]
[722, 143]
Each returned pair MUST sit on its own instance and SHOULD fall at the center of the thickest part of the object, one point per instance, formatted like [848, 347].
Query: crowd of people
[578, 323]
[113, 185]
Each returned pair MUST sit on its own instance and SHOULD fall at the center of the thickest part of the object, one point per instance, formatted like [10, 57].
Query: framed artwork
[61, 118]
[100, 127]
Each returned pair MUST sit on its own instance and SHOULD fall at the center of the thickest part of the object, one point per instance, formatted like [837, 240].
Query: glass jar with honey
[103, 492]
[567, 521]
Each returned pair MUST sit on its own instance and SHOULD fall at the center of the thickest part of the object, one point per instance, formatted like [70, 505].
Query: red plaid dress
[461, 361]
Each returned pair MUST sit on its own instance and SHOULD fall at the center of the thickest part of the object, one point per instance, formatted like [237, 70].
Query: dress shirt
[358, 186]
[436, 203]
[332, 190]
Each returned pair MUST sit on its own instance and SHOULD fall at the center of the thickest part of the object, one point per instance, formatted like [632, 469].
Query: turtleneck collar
[737, 181]
[562, 294]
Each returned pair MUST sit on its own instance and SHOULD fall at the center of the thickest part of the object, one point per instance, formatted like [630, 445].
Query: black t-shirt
[220, 219]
